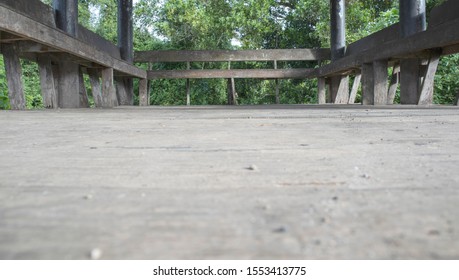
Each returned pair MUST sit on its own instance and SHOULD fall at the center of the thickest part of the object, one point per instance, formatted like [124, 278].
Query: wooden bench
[375, 52]
[232, 56]
[28, 30]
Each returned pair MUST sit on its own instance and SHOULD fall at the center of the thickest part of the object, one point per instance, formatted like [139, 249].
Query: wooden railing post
[339, 84]
[355, 88]
[68, 76]
[144, 96]
[14, 77]
[412, 21]
[188, 86]
[380, 82]
[427, 87]
[48, 87]
[109, 99]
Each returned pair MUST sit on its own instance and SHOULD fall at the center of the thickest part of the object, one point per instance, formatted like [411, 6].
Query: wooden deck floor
[230, 183]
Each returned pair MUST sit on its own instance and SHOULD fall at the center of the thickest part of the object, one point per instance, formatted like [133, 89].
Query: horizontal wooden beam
[231, 73]
[434, 38]
[18, 24]
[443, 13]
[387, 34]
[226, 55]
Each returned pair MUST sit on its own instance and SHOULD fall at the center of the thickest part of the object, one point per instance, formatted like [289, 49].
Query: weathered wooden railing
[231, 74]
[370, 58]
[28, 30]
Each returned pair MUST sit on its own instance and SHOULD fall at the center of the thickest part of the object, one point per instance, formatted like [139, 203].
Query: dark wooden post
[48, 88]
[337, 29]
[66, 15]
[339, 84]
[66, 12]
[412, 20]
[125, 88]
[355, 88]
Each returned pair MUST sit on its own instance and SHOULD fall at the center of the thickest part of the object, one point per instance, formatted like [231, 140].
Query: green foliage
[4, 101]
[31, 82]
[446, 80]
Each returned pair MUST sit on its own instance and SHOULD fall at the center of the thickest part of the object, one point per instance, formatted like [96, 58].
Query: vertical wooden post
[322, 90]
[69, 85]
[380, 82]
[66, 15]
[394, 81]
[427, 88]
[412, 20]
[355, 88]
[340, 89]
[108, 89]
[144, 96]
[188, 86]
[410, 80]
[277, 85]
[231, 89]
[337, 28]
[68, 77]
[48, 88]
[14, 77]
[367, 84]
[124, 91]
[125, 86]
[94, 78]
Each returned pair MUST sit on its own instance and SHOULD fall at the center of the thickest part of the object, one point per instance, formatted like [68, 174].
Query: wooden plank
[226, 55]
[374, 40]
[410, 81]
[96, 88]
[380, 82]
[108, 89]
[427, 88]
[97, 41]
[232, 73]
[443, 13]
[122, 91]
[188, 86]
[48, 87]
[23, 26]
[10, 38]
[355, 88]
[441, 36]
[321, 91]
[33, 9]
[393, 85]
[13, 73]
[68, 85]
[367, 84]
[342, 89]
[84, 101]
[33, 47]
[144, 96]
